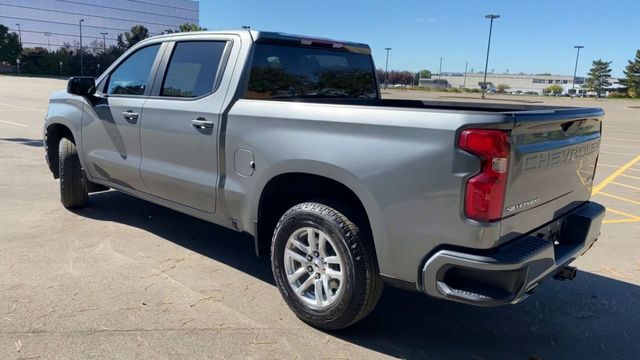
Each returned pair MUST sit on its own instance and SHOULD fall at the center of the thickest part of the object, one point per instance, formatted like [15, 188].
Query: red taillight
[484, 194]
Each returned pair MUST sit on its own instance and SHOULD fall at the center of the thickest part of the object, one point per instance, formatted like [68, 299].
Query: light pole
[48, 35]
[81, 61]
[386, 68]
[19, 33]
[104, 40]
[486, 64]
[575, 69]
[440, 69]
[464, 83]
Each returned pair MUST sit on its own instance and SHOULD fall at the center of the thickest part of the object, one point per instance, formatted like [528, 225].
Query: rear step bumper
[506, 274]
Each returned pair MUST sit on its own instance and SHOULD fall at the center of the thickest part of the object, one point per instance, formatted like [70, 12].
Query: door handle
[130, 115]
[201, 123]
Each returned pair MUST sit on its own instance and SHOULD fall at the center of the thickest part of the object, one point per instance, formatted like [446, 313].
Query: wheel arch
[53, 133]
[284, 189]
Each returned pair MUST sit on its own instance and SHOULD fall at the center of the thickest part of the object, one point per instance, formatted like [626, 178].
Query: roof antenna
[248, 28]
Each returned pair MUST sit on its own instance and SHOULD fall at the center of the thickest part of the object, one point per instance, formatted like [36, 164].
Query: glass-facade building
[54, 23]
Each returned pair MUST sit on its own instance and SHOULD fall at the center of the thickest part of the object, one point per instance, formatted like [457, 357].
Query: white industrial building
[517, 83]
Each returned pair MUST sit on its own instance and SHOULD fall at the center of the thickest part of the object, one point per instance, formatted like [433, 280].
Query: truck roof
[283, 38]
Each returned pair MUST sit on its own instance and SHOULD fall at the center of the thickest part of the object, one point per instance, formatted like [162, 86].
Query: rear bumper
[506, 274]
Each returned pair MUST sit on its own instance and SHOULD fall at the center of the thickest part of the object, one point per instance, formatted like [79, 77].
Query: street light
[486, 64]
[440, 69]
[575, 69]
[386, 68]
[464, 83]
[48, 35]
[104, 40]
[81, 61]
[19, 33]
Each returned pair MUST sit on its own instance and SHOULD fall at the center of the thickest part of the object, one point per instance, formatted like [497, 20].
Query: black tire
[73, 189]
[363, 285]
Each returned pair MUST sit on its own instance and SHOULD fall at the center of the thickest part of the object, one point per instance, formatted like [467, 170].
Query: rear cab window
[282, 71]
[192, 69]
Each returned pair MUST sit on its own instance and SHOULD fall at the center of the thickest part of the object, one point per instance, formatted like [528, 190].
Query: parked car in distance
[286, 138]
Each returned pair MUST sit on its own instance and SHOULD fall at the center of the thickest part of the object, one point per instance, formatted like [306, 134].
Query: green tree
[191, 27]
[10, 47]
[33, 60]
[632, 76]
[425, 74]
[501, 88]
[130, 38]
[186, 27]
[554, 89]
[598, 77]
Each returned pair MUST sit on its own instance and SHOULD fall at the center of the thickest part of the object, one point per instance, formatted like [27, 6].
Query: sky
[532, 36]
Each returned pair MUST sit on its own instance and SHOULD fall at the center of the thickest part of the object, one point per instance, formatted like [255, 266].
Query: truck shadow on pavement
[592, 317]
[25, 141]
[216, 242]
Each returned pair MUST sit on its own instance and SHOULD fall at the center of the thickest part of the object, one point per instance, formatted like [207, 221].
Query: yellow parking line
[621, 133]
[619, 198]
[631, 177]
[623, 213]
[618, 139]
[609, 165]
[616, 153]
[617, 221]
[624, 146]
[625, 185]
[623, 130]
[610, 178]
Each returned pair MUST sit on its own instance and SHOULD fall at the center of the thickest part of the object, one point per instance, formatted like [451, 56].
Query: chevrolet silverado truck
[287, 138]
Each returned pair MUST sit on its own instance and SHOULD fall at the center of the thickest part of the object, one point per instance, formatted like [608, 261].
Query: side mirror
[81, 85]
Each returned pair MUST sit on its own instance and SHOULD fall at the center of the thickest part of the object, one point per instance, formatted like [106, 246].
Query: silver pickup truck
[286, 138]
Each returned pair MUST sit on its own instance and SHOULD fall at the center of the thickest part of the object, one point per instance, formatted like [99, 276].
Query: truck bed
[442, 105]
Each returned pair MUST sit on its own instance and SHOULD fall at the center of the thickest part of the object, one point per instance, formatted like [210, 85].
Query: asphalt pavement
[127, 279]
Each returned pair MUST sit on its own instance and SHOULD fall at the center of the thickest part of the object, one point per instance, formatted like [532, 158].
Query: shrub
[617, 95]
[502, 88]
[554, 89]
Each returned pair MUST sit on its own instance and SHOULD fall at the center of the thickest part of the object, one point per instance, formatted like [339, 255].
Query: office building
[56, 23]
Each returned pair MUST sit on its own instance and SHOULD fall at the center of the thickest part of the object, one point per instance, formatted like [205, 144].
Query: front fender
[65, 110]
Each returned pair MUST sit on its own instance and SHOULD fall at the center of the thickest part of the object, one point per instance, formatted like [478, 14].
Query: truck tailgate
[551, 168]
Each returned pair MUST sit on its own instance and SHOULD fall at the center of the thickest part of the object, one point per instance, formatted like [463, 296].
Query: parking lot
[127, 279]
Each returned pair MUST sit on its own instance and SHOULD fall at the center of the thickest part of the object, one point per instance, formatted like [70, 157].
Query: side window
[130, 77]
[192, 69]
